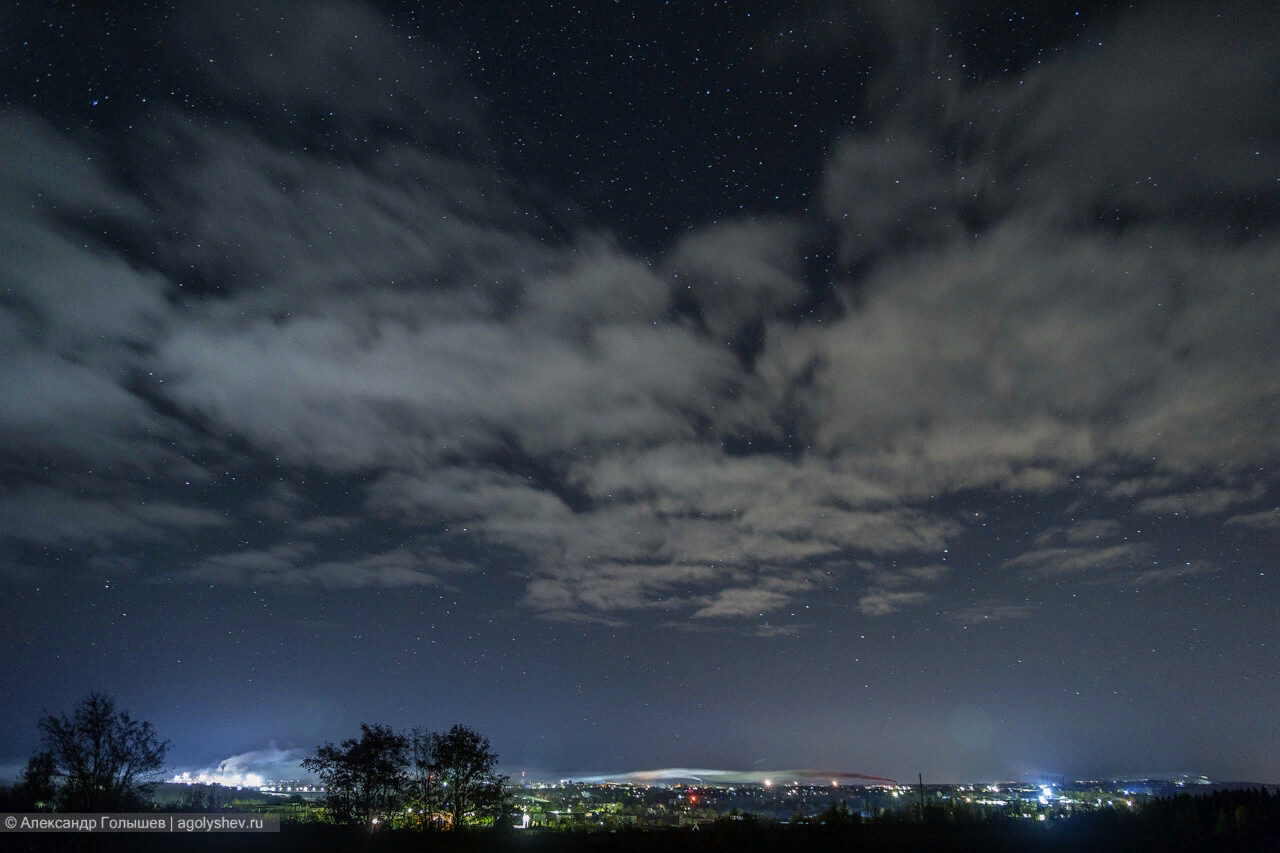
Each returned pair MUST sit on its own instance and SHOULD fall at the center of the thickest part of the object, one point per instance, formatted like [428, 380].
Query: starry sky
[882, 387]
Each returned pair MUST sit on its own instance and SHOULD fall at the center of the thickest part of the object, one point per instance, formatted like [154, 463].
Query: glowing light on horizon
[250, 769]
[229, 780]
[707, 776]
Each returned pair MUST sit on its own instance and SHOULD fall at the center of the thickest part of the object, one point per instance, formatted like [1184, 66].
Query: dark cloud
[333, 72]
[1047, 562]
[298, 566]
[880, 602]
[740, 273]
[742, 602]
[1181, 571]
[73, 312]
[1202, 501]
[1167, 116]
[1267, 518]
[989, 611]
[46, 515]
[1082, 531]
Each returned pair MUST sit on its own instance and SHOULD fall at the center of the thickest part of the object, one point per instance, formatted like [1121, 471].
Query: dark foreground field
[1064, 836]
[1242, 821]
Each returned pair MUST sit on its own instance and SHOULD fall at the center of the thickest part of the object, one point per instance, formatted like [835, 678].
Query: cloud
[1085, 531]
[1267, 519]
[410, 388]
[1129, 487]
[1019, 374]
[740, 272]
[1197, 82]
[990, 610]
[670, 525]
[608, 586]
[1046, 562]
[397, 568]
[1089, 549]
[75, 314]
[1020, 377]
[1201, 501]
[386, 309]
[790, 630]
[330, 64]
[785, 507]
[742, 602]
[42, 514]
[882, 189]
[466, 494]
[293, 565]
[1161, 574]
[880, 602]
[893, 576]
[252, 566]
[325, 524]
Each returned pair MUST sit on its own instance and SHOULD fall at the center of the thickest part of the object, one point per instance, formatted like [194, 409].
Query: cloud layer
[1034, 279]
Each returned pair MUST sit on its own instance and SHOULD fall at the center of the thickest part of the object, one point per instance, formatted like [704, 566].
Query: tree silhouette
[365, 780]
[451, 778]
[465, 767]
[96, 759]
[424, 791]
[38, 788]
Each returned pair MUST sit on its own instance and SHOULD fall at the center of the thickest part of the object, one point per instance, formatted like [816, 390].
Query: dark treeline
[98, 759]
[418, 779]
[1244, 821]
[384, 788]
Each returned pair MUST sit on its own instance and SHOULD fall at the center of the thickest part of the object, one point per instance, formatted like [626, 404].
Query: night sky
[882, 387]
